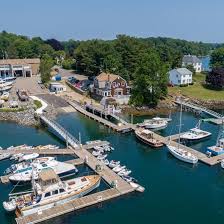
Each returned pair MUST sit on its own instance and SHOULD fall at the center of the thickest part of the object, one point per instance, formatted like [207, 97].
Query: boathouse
[19, 67]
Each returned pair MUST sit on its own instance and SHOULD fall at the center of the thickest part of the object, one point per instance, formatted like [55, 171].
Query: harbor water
[176, 192]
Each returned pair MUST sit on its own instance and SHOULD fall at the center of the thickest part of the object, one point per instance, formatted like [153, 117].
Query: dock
[123, 127]
[118, 187]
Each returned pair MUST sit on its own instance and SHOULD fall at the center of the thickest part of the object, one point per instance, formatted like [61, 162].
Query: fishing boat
[25, 175]
[195, 134]
[5, 86]
[178, 151]
[155, 123]
[28, 157]
[217, 149]
[49, 191]
[146, 136]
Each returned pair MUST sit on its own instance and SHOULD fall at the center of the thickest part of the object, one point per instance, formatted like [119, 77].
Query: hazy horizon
[102, 19]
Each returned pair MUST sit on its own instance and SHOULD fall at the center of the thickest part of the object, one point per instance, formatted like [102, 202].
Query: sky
[197, 20]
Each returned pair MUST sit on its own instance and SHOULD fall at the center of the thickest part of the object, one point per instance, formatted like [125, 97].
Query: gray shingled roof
[190, 59]
[183, 71]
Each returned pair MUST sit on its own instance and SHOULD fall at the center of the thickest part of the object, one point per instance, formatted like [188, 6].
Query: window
[61, 190]
[54, 192]
[47, 194]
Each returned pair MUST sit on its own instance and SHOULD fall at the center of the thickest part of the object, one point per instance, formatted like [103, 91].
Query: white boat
[60, 168]
[124, 172]
[129, 179]
[118, 168]
[28, 157]
[96, 153]
[5, 156]
[178, 151]
[17, 156]
[155, 123]
[114, 163]
[101, 157]
[195, 134]
[50, 191]
[5, 86]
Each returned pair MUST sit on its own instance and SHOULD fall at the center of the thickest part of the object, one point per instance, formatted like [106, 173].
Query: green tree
[191, 68]
[150, 82]
[46, 64]
[217, 58]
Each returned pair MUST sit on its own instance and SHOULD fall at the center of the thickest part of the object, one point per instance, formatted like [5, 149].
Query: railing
[61, 131]
[201, 108]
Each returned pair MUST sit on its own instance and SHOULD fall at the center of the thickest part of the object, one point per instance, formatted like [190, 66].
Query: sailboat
[178, 151]
[195, 134]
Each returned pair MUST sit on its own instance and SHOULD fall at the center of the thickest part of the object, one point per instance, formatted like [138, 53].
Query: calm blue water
[175, 192]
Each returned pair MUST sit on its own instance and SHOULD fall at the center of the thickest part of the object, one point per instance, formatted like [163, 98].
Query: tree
[191, 68]
[217, 58]
[150, 81]
[46, 64]
[55, 44]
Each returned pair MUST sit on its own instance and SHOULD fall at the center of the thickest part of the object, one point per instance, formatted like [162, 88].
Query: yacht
[49, 191]
[195, 134]
[146, 136]
[5, 86]
[25, 175]
[178, 151]
[156, 123]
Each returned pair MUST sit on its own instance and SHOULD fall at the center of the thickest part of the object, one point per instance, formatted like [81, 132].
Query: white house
[180, 76]
[192, 60]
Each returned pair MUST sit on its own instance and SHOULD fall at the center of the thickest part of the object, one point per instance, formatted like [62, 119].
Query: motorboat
[60, 168]
[129, 179]
[155, 123]
[101, 157]
[114, 163]
[124, 172]
[118, 168]
[178, 151]
[28, 157]
[96, 153]
[146, 136]
[195, 134]
[49, 191]
[5, 86]
[17, 156]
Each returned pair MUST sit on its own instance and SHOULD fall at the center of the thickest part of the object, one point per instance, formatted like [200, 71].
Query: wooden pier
[123, 128]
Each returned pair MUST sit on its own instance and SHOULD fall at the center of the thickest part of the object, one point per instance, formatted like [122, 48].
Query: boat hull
[138, 136]
[172, 150]
[37, 208]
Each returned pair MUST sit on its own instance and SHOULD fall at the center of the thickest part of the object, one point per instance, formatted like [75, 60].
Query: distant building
[109, 85]
[19, 67]
[180, 76]
[192, 60]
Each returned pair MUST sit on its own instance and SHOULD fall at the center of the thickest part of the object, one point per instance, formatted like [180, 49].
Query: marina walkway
[119, 128]
[200, 108]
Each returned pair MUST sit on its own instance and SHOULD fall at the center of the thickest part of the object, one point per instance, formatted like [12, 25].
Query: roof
[107, 77]
[47, 175]
[182, 71]
[190, 59]
[20, 61]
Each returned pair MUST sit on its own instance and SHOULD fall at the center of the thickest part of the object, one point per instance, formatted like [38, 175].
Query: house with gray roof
[180, 76]
[192, 60]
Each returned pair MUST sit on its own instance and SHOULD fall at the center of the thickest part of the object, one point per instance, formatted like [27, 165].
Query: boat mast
[180, 125]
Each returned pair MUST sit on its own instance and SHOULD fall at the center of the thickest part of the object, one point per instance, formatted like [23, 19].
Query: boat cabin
[221, 143]
[147, 133]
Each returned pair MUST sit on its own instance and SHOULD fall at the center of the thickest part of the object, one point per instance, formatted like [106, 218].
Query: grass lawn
[198, 90]
[37, 103]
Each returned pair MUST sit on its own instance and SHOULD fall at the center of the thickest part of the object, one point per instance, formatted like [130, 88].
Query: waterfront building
[19, 67]
[180, 76]
[192, 60]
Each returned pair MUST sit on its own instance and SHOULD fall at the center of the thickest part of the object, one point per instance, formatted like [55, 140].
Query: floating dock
[123, 127]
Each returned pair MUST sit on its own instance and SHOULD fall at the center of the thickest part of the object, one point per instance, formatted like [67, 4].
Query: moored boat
[146, 136]
[155, 123]
[50, 191]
